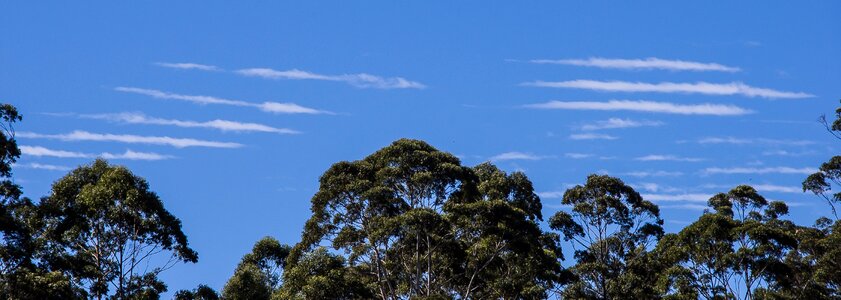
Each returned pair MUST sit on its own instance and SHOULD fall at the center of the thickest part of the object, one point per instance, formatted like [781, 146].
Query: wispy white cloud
[640, 64]
[591, 136]
[654, 174]
[687, 197]
[719, 89]
[743, 141]
[654, 187]
[688, 206]
[79, 135]
[42, 167]
[646, 106]
[360, 80]
[619, 123]
[41, 151]
[516, 156]
[787, 153]
[766, 170]
[223, 125]
[551, 194]
[132, 155]
[274, 107]
[129, 154]
[578, 155]
[188, 66]
[777, 188]
[660, 157]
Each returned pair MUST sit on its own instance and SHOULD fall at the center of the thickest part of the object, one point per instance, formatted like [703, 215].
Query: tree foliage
[258, 273]
[411, 221]
[611, 228]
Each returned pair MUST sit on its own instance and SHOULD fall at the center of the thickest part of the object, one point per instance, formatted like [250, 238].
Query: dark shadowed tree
[110, 233]
[611, 228]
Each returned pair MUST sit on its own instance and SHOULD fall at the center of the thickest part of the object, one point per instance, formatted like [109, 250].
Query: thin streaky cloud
[591, 136]
[551, 194]
[640, 64]
[787, 153]
[223, 125]
[40, 166]
[274, 107]
[646, 106]
[133, 155]
[765, 170]
[128, 155]
[41, 151]
[688, 206]
[188, 66]
[578, 155]
[660, 157]
[644, 174]
[79, 135]
[747, 141]
[778, 188]
[360, 80]
[706, 88]
[687, 197]
[514, 155]
[614, 123]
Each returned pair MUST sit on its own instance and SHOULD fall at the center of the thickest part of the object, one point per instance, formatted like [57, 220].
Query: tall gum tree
[611, 228]
[412, 222]
[105, 228]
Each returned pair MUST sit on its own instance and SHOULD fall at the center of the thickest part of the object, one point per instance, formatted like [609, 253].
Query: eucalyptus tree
[611, 228]
[411, 222]
[22, 274]
[506, 254]
[736, 251]
[258, 274]
[829, 173]
[319, 274]
[110, 233]
[201, 292]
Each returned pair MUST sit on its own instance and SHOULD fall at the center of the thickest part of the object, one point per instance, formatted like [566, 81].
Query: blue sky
[233, 112]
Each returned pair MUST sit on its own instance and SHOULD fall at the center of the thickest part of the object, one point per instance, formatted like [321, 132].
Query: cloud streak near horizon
[360, 80]
[640, 64]
[80, 135]
[273, 107]
[646, 106]
[223, 125]
[706, 88]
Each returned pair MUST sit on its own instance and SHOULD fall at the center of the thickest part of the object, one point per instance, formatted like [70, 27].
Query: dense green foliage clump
[411, 222]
